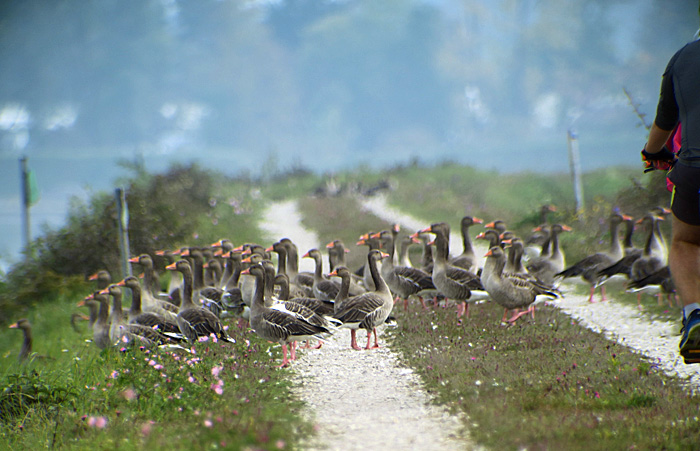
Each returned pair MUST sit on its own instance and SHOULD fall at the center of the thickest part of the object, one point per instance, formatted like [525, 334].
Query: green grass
[544, 384]
[145, 398]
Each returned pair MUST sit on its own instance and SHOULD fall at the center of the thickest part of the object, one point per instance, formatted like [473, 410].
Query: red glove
[662, 160]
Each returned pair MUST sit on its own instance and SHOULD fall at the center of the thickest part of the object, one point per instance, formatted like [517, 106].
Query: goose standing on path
[368, 310]
[510, 291]
[589, 267]
[276, 325]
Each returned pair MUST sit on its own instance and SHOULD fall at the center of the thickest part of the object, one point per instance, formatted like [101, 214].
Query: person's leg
[684, 261]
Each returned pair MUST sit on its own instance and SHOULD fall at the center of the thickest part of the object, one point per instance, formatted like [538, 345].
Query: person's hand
[662, 160]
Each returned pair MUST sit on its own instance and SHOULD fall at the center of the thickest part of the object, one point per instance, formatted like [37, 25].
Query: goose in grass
[461, 286]
[512, 291]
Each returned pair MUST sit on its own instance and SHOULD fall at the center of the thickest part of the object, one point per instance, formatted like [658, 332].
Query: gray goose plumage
[403, 281]
[453, 282]
[651, 260]
[368, 310]
[195, 321]
[554, 261]
[275, 325]
[136, 315]
[26, 328]
[120, 331]
[467, 259]
[589, 267]
[100, 328]
[511, 291]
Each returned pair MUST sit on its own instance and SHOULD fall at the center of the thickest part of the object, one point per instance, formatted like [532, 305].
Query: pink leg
[639, 300]
[590, 299]
[658, 298]
[602, 293]
[405, 305]
[466, 310]
[318, 346]
[369, 339]
[353, 340]
[505, 315]
[518, 315]
[422, 302]
[293, 348]
[285, 362]
[376, 343]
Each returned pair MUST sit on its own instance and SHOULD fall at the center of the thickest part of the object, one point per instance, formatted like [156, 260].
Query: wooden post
[575, 167]
[26, 227]
[123, 220]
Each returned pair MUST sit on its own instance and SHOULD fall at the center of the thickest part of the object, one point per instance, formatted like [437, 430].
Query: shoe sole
[691, 349]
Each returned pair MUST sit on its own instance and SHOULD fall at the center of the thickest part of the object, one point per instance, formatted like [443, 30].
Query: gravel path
[657, 340]
[361, 399]
[367, 399]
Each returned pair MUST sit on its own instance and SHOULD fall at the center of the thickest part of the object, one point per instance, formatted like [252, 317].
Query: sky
[489, 83]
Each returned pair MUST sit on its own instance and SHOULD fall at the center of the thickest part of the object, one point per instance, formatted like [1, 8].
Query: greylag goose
[403, 281]
[124, 332]
[539, 234]
[324, 289]
[454, 283]
[195, 321]
[589, 267]
[295, 290]
[368, 310]
[552, 262]
[174, 289]
[490, 235]
[100, 329]
[150, 278]
[510, 291]
[136, 315]
[276, 325]
[305, 279]
[26, 328]
[372, 244]
[426, 260]
[651, 260]
[102, 278]
[294, 306]
[621, 268]
[317, 305]
[405, 244]
[498, 225]
[466, 259]
[658, 283]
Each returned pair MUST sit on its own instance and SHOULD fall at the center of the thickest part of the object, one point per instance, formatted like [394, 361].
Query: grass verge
[217, 395]
[547, 383]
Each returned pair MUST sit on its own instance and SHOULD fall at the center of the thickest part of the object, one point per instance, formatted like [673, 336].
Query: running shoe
[690, 339]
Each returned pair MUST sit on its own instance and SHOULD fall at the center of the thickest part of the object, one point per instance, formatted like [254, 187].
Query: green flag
[32, 188]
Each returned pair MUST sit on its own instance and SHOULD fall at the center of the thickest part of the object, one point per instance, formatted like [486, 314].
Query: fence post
[123, 220]
[575, 167]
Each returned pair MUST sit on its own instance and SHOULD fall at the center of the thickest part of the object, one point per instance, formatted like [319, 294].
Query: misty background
[245, 86]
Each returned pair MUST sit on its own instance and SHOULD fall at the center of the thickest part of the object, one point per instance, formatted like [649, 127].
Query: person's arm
[657, 138]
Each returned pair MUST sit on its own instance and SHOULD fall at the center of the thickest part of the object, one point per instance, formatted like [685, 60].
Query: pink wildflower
[216, 370]
[208, 423]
